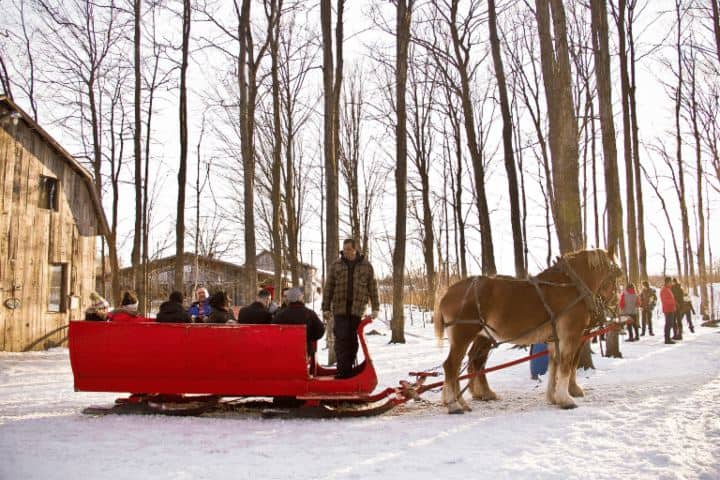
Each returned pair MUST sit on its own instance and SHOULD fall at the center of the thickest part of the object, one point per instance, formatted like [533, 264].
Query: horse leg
[477, 358]
[552, 373]
[573, 388]
[451, 394]
[565, 369]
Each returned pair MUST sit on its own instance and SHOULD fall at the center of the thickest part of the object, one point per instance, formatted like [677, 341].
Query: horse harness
[594, 302]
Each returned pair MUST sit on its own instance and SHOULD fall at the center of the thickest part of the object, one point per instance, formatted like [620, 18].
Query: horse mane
[596, 259]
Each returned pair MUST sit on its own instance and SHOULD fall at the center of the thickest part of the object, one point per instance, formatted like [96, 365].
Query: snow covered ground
[652, 414]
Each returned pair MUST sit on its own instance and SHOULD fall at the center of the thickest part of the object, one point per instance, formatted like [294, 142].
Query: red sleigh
[179, 363]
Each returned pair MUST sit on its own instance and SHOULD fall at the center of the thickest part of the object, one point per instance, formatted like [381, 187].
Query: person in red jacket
[669, 307]
[128, 310]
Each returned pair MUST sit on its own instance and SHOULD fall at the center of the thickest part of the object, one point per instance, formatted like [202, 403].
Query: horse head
[599, 271]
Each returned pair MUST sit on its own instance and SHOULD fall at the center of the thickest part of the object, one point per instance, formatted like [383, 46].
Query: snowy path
[650, 415]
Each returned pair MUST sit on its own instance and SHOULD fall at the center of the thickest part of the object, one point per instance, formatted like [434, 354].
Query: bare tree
[507, 134]
[716, 24]
[632, 250]
[607, 124]
[458, 69]
[350, 148]
[402, 42]
[688, 264]
[423, 86]
[136, 254]
[182, 167]
[694, 120]
[82, 41]
[562, 123]
[332, 82]
[273, 11]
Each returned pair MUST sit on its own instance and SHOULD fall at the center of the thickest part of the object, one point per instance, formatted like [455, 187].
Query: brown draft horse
[486, 310]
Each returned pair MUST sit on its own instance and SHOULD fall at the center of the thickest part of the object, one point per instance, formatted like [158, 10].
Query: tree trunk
[642, 251]
[699, 175]
[562, 123]
[182, 168]
[612, 344]
[632, 254]
[332, 230]
[686, 249]
[507, 134]
[562, 126]
[137, 239]
[607, 124]
[247, 86]
[404, 13]
[716, 24]
[461, 52]
[276, 170]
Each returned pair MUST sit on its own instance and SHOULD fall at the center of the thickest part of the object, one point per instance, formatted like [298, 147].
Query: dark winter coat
[678, 293]
[220, 315]
[91, 314]
[648, 298]
[298, 314]
[255, 313]
[350, 286]
[172, 312]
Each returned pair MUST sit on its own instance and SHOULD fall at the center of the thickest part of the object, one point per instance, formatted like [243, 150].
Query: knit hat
[294, 295]
[98, 302]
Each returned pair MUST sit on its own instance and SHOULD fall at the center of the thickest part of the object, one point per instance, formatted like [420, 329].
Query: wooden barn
[50, 217]
[211, 273]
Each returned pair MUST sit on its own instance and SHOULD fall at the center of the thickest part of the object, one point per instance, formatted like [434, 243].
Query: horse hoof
[486, 397]
[568, 405]
[577, 393]
[455, 409]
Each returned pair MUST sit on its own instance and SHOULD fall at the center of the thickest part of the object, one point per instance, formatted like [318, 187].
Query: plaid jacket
[335, 295]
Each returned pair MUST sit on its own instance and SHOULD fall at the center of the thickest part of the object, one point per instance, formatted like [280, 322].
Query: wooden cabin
[203, 271]
[50, 217]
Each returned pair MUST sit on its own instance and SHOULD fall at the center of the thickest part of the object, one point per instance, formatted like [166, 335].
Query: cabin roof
[67, 157]
[188, 257]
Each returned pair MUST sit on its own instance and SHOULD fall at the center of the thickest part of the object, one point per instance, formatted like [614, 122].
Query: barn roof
[68, 158]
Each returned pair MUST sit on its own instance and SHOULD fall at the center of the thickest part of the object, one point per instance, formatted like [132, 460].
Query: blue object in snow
[538, 366]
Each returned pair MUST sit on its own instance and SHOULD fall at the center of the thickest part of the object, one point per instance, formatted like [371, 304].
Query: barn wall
[31, 238]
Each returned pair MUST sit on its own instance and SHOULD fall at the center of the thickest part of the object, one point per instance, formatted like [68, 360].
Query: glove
[375, 314]
[326, 316]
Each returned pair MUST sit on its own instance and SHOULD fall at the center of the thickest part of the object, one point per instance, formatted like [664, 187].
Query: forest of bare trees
[448, 137]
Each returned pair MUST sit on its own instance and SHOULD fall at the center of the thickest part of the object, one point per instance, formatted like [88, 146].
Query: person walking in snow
[648, 300]
[685, 309]
[629, 302]
[350, 285]
[668, 306]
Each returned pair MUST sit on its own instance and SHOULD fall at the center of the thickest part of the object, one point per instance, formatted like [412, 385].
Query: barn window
[48, 193]
[56, 296]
